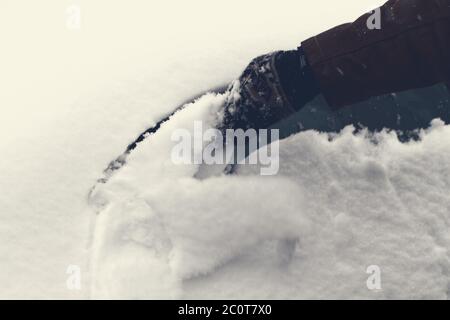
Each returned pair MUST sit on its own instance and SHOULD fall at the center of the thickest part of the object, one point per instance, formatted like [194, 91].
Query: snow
[71, 102]
[339, 204]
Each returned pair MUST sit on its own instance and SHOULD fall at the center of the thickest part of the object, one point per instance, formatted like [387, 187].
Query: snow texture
[72, 100]
[339, 204]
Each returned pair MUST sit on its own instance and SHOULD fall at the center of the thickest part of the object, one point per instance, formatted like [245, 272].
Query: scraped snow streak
[71, 102]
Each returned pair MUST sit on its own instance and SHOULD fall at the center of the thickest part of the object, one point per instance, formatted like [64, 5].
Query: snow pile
[338, 205]
[71, 101]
